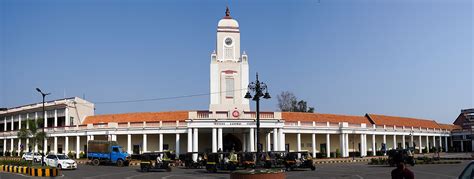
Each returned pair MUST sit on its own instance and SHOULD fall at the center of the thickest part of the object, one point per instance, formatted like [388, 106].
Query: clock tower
[229, 73]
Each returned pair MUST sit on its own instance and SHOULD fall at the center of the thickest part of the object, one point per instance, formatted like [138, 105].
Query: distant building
[228, 124]
[463, 136]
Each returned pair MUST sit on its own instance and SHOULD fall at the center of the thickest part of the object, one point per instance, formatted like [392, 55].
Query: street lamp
[44, 111]
[257, 87]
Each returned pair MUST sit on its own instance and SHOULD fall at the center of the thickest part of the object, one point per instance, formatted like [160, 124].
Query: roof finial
[227, 11]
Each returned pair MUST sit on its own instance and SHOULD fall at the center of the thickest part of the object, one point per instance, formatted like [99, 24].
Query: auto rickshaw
[400, 155]
[190, 163]
[247, 159]
[155, 160]
[222, 161]
[299, 160]
[275, 159]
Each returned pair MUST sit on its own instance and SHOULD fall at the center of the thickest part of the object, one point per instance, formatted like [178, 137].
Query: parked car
[61, 161]
[29, 156]
[468, 172]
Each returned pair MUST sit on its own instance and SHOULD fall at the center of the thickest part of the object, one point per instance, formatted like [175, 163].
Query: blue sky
[409, 58]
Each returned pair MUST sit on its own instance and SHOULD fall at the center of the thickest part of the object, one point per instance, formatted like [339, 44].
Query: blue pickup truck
[101, 151]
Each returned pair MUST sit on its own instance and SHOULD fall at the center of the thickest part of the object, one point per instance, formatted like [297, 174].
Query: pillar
[281, 136]
[195, 143]
[374, 150]
[160, 142]
[394, 141]
[177, 151]
[403, 142]
[268, 142]
[19, 147]
[275, 139]
[385, 143]
[19, 123]
[11, 146]
[129, 143]
[55, 145]
[144, 147]
[66, 145]
[45, 146]
[427, 144]
[434, 142]
[36, 147]
[313, 144]
[45, 119]
[347, 145]
[190, 140]
[244, 142]
[446, 143]
[298, 144]
[328, 145]
[78, 141]
[55, 118]
[214, 140]
[252, 140]
[421, 144]
[462, 145]
[362, 145]
[219, 139]
[342, 138]
[27, 145]
[66, 117]
[411, 142]
[440, 144]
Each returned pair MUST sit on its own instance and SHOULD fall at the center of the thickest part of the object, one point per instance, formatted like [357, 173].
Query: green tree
[288, 102]
[32, 133]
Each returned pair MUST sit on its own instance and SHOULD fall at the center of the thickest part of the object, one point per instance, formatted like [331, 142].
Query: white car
[29, 156]
[60, 161]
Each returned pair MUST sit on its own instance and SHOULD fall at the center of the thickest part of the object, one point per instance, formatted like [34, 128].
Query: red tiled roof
[138, 117]
[402, 121]
[449, 126]
[317, 117]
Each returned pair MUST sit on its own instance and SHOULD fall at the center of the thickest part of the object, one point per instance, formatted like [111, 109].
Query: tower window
[229, 53]
[229, 87]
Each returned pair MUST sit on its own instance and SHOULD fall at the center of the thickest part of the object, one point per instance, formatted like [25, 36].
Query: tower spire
[227, 13]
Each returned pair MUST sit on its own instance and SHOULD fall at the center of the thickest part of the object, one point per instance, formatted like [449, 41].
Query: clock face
[228, 41]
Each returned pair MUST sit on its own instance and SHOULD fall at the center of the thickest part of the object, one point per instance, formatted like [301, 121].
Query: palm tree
[32, 132]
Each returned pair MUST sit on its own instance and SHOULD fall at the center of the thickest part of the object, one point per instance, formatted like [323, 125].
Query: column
[434, 142]
[19, 122]
[328, 146]
[55, 118]
[45, 146]
[342, 138]
[78, 141]
[45, 119]
[298, 144]
[27, 145]
[36, 147]
[411, 141]
[252, 140]
[275, 139]
[394, 141]
[11, 147]
[190, 140]
[403, 142]
[446, 143]
[462, 145]
[55, 145]
[19, 147]
[12, 126]
[313, 142]
[27, 123]
[160, 142]
[362, 149]
[427, 144]
[66, 145]
[219, 139]
[281, 143]
[347, 145]
[129, 143]
[5, 126]
[214, 140]
[195, 143]
[177, 151]
[66, 117]
[4, 146]
[374, 150]
[440, 143]
[385, 143]
[420, 148]
[144, 147]
[269, 143]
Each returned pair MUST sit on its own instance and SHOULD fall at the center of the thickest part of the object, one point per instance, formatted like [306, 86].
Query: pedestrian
[401, 172]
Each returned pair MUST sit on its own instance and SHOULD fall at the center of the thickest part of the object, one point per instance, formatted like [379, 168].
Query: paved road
[337, 170]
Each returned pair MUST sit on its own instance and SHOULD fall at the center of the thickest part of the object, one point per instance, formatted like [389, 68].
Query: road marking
[358, 176]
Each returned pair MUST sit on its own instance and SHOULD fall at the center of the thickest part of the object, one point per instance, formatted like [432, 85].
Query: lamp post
[44, 111]
[257, 87]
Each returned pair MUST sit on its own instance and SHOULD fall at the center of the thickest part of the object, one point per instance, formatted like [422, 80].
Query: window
[116, 149]
[71, 121]
[229, 87]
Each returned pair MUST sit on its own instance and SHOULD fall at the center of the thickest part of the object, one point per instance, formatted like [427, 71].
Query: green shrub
[14, 153]
[82, 155]
[338, 154]
[424, 150]
[7, 153]
[14, 162]
[21, 153]
[71, 154]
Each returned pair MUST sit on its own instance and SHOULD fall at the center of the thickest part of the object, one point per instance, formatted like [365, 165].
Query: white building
[229, 124]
